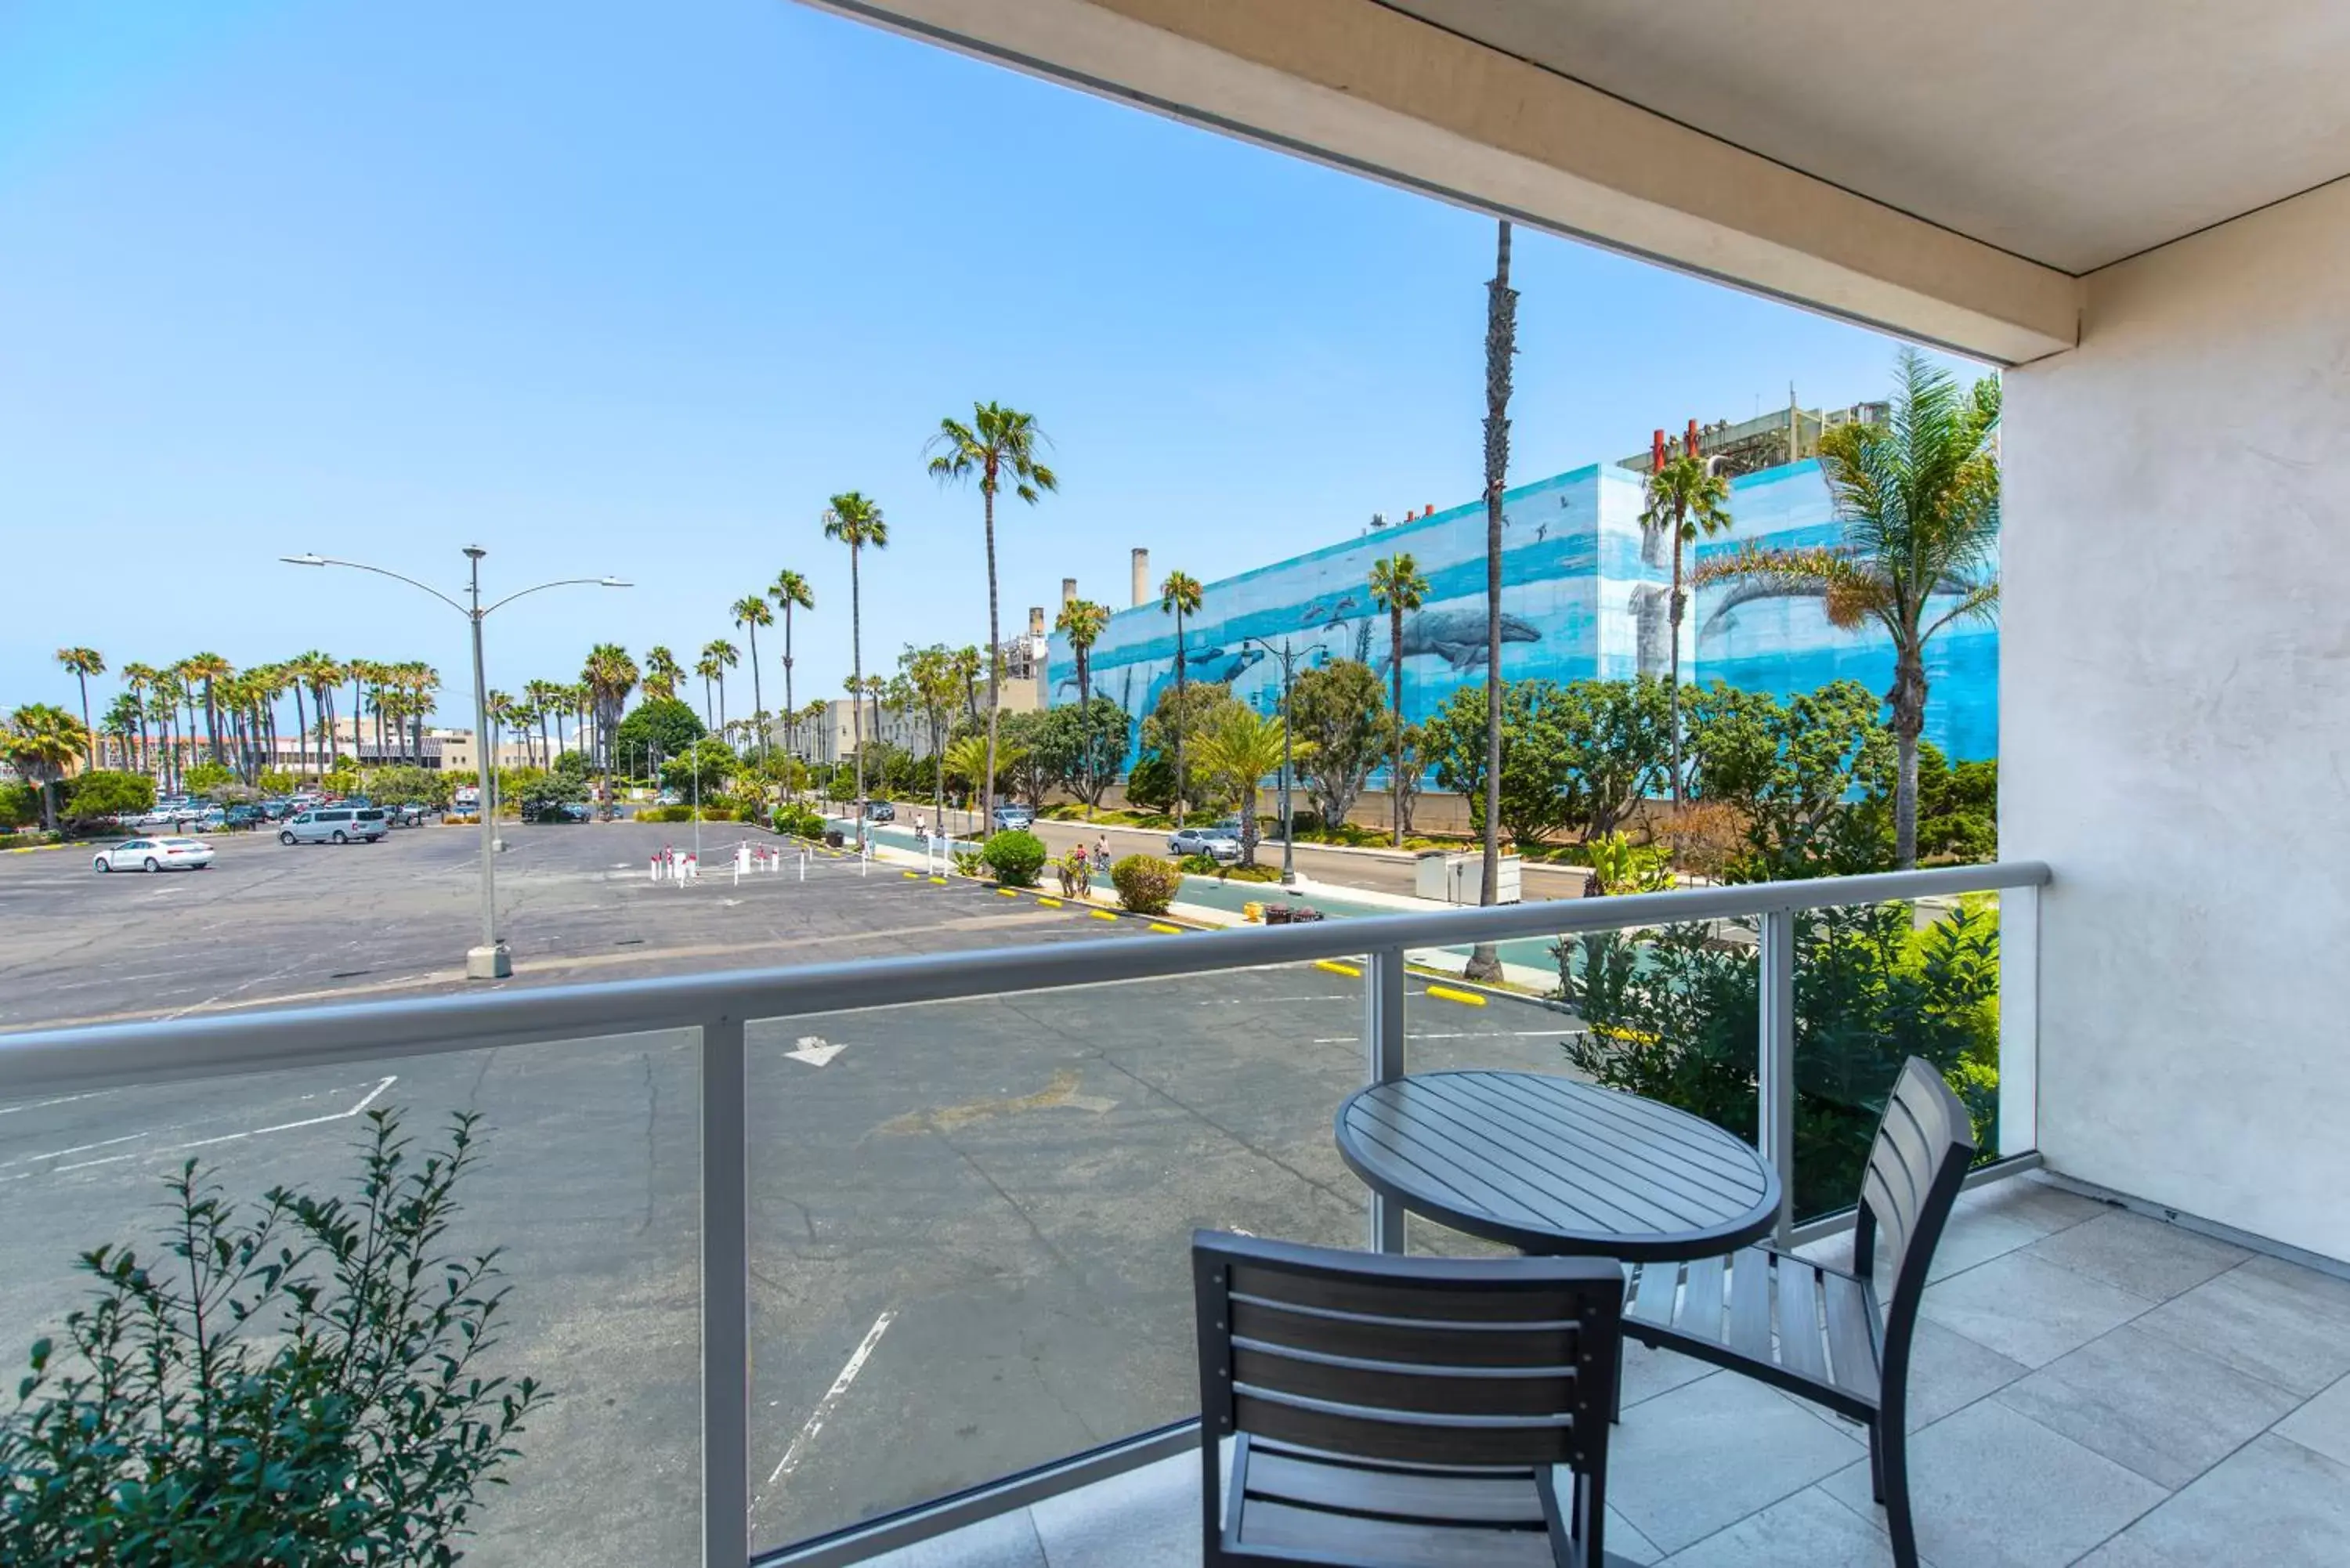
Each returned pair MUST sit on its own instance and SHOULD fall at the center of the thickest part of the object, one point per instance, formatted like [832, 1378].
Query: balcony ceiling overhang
[1946, 173]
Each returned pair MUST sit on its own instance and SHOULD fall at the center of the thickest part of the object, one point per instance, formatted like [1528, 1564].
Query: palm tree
[1180, 597]
[999, 442]
[304, 669]
[1919, 500]
[609, 675]
[854, 519]
[661, 672]
[41, 742]
[125, 722]
[1501, 346]
[83, 662]
[1396, 587]
[1689, 499]
[710, 670]
[752, 612]
[720, 656]
[790, 591]
[1240, 749]
[1081, 621]
[543, 697]
[138, 681]
[211, 669]
[163, 706]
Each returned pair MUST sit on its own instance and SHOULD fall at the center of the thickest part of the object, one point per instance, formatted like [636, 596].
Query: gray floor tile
[1624, 1540]
[1648, 1373]
[2168, 1412]
[1809, 1530]
[2029, 1310]
[2273, 1503]
[2323, 1424]
[1147, 1518]
[2270, 1318]
[1948, 1372]
[1973, 1239]
[2042, 1206]
[2143, 1256]
[1003, 1540]
[1686, 1463]
[1991, 1488]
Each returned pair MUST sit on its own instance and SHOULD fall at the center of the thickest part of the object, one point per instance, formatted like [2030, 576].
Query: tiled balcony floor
[2091, 1387]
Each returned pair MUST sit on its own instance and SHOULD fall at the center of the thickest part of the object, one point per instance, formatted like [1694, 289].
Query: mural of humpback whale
[1747, 590]
[1457, 637]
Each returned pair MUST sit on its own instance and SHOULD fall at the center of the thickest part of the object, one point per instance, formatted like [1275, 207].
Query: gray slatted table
[1552, 1165]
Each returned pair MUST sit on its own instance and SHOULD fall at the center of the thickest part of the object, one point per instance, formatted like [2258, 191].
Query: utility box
[1449, 878]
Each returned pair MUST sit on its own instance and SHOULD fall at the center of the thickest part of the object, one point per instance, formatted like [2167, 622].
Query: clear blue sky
[628, 288]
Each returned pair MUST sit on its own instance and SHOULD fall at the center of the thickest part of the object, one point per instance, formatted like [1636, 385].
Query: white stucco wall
[2175, 701]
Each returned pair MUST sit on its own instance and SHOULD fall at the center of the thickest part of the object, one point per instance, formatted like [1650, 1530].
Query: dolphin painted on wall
[1457, 637]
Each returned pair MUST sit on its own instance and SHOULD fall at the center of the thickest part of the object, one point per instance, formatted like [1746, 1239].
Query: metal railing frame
[41, 1062]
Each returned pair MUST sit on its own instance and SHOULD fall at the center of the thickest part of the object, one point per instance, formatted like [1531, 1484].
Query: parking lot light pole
[489, 961]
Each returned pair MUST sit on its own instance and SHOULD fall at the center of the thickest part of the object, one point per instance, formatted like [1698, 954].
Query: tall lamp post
[1288, 657]
[489, 961]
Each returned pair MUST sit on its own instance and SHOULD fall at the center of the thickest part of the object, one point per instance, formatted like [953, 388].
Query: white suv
[334, 824]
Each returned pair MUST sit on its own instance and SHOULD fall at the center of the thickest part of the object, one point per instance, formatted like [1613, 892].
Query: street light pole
[1288, 657]
[490, 960]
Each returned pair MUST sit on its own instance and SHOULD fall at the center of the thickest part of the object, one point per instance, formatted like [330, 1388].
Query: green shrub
[205, 777]
[302, 1382]
[967, 863]
[1145, 883]
[20, 806]
[665, 814]
[101, 793]
[1015, 857]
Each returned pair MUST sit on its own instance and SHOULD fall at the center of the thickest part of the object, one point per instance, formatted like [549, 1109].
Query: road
[1377, 871]
[969, 1219]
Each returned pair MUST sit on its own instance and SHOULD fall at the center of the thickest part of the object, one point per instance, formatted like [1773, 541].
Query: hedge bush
[1145, 883]
[1015, 857]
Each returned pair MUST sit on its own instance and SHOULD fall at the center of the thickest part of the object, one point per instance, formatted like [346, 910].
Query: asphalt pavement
[969, 1219]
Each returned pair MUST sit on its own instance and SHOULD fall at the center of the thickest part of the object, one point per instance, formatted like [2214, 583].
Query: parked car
[468, 798]
[403, 815]
[244, 816]
[1222, 843]
[173, 854]
[880, 811]
[1012, 816]
[334, 824]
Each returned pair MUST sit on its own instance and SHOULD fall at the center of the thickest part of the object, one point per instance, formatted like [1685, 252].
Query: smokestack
[1036, 620]
[1142, 577]
[1068, 592]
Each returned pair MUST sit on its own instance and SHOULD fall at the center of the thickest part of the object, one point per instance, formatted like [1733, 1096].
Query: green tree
[1616, 741]
[658, 727]
[1180, 597]
[855, 520]
[209, 669]
[1917, 499]
[1000, 444]
[83, 662]
[698, 770]
[1957, 807]
[1501, 346]
[932, 685]
[1182, 712]
[1396, 587]
[1024, 756]
[41, 742]
[790, 591]
[1688, 501]
[663, 671]
[717, 656]
[1081, 621]
[751, 612]
[101, 793]
[1080, 748]
[1535, 794]
[1239, 748]
[125, 724]
[1339, 712]
[1802, 773]
[609, 675]
[138, 684]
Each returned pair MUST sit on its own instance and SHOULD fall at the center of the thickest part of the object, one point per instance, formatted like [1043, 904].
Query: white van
[334, 824]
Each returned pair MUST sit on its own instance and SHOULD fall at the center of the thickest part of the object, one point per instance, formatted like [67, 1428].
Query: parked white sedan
[155, 855]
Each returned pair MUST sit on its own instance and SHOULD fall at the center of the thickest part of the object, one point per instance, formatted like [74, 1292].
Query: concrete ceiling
[2072, 133]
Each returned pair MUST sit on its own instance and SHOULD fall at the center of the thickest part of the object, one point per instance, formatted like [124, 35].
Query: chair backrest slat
[1925, 1145]
[1474, 1361]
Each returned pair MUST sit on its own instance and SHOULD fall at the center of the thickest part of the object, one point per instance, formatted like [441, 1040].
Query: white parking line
[824, 1406]
[1452, 1034]
[365, 1101]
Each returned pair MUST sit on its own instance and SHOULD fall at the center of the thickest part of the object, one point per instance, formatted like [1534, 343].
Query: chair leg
[1876, 1462]
[1893, 1463]
[1615, 1417]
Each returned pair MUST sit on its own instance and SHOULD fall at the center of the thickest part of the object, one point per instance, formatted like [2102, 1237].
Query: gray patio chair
[1836, 1342]
[1393, 1412]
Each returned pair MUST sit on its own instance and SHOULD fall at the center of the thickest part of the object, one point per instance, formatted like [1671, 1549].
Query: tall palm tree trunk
[995, 651]
[1908, 701]
[758, 702]
[857, 688]
[1182, 723]
[791, 714]
[87, 729]
[1673, 695]
[1501, 342]
[1395, 764]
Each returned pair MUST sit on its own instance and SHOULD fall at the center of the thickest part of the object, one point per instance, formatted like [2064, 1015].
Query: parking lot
[968, 1219]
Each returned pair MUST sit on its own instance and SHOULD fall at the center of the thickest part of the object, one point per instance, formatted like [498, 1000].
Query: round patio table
[1549, 1165]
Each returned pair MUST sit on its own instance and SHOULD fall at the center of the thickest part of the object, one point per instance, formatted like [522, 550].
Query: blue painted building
[1584, 594]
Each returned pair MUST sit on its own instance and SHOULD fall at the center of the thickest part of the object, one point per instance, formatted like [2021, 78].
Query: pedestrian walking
[1101, 851]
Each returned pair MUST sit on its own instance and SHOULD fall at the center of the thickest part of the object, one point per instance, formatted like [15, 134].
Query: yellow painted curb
[1466, 998]
[911, 876]
[940, 880]
[1101, 913]
[1048, 903]
[1335, 967]
[1161, 927]
[1005, 893]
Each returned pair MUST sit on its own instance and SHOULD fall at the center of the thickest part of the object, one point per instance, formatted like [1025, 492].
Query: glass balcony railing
[792, 1250]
